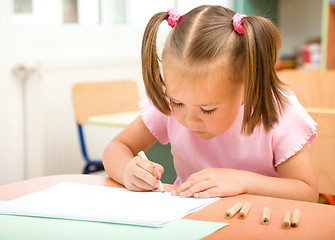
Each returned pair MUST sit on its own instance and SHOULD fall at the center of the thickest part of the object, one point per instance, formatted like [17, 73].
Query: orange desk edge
[316, 221]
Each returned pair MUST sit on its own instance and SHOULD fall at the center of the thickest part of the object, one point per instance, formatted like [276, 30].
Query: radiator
[51, 138]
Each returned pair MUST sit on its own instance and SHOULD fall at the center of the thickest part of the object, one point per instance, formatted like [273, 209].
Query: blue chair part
[91, 165]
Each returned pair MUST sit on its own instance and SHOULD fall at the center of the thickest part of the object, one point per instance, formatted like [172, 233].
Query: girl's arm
[296, 181]
[122, 163]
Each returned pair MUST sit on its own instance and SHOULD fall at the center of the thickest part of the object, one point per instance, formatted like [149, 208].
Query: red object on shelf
[305, 53]
[311, 55]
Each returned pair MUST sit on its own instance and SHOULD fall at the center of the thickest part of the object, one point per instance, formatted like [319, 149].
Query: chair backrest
[101, 98]
[313, 88]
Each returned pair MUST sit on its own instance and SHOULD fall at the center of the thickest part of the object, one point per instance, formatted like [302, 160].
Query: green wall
[263, 8]
[162, 154]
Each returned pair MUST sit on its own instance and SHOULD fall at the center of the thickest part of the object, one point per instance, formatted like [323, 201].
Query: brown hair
[206, 33]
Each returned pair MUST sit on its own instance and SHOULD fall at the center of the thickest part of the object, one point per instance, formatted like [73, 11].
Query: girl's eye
[208, 111]
[176, 104]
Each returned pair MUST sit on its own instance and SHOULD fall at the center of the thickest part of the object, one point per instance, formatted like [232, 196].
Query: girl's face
[206, 103]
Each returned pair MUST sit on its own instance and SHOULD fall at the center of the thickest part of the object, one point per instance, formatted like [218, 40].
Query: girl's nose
[192, 118]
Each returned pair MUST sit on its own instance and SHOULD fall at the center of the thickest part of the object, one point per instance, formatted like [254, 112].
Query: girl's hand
[213, 182]
[142, 175]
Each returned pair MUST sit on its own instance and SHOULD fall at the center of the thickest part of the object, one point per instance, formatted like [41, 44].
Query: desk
[316, 222]
[115, 120]
[157, 153]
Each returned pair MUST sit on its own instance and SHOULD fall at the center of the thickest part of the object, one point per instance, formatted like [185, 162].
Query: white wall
[29, 44]
[299, 20]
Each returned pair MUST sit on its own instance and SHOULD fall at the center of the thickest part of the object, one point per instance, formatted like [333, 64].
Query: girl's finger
[182, 188]
[196, 188]
[159, 170]
[133, 187]
[190, 181]
[146, 165]
[210, 192]
[143, 185]
[146, 177]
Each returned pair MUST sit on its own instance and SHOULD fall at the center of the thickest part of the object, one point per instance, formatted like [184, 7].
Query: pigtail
[263, 97]
[152, 77]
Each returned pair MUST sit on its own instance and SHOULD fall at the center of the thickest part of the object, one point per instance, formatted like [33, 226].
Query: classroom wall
[30, 44]
[299, 20]
[12, 150]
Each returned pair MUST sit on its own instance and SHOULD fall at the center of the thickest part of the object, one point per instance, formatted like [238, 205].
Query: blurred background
[48, 45]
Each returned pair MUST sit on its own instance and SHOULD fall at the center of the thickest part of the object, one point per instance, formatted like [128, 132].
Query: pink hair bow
[173, 17]
[237, 23]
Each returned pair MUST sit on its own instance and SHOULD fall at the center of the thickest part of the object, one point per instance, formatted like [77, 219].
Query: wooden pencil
[160, 184]
[244, 210]
[295, 218]
[233, 210]
[266, 216]
[287, 220]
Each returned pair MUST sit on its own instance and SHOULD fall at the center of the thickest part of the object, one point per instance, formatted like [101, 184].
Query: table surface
[116, 120]
[317, 221]
[321, 111]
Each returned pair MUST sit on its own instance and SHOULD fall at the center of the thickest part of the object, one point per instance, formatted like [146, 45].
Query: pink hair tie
[237, 23]
[173, 17]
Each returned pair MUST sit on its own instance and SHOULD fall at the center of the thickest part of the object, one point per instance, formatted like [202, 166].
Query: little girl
[215, 96]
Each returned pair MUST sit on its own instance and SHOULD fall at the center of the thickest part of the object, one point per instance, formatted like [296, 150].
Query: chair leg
[93, 167]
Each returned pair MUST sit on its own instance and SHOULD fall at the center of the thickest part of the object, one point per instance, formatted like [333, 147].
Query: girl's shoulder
[295, 128]
[154, 120]
[149, 111]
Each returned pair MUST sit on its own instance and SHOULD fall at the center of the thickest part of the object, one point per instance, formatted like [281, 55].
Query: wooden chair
[101, 98]
[316, 92]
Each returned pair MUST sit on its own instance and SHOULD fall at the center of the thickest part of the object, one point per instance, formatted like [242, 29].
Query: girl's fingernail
[174, 193]
[196, 195]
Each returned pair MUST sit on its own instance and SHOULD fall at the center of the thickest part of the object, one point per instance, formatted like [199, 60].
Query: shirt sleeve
[154, 120]
[295, 129]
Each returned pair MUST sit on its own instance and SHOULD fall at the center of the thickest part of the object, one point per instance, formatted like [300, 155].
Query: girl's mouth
[198, 132]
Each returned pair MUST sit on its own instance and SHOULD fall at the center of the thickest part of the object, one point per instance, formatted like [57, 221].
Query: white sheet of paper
[104, 204]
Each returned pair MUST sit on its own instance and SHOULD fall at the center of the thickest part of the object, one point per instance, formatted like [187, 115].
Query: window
[137, 12]
[23, 6]
[89, 12]
[56, 12]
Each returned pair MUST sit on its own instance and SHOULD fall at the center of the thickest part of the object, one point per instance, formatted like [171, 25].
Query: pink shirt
[260, 152]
